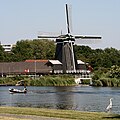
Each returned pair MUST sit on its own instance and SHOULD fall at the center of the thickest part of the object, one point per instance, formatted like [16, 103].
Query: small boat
[13, 90]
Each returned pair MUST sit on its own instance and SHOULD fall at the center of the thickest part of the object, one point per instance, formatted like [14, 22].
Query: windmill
[65, 46]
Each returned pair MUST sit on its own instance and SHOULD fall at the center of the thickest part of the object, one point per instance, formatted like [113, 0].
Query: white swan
[109, 107]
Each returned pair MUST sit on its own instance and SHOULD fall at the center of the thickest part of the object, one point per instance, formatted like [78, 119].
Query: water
[82, 98]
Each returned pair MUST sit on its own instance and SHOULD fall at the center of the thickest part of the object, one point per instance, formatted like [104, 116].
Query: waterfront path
[4, 116]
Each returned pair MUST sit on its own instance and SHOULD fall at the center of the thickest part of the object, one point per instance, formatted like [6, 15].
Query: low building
[29, 67]
[39, 67]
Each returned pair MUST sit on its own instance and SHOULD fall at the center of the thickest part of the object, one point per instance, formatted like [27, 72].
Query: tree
[114, 72]
[23, 50]
[1, 53]
[33, 49]
[98, 57]
[43, 49]
[83, 52]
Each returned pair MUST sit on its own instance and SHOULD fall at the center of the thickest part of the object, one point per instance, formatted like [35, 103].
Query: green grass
[11, 118]
[46, 80]
[53, 80]
[107, 82]
[65, 114]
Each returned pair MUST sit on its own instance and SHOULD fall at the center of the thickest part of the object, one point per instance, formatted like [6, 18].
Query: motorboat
[13, 90]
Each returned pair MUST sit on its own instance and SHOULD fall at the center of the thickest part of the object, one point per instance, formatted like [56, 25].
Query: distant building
[7, 47]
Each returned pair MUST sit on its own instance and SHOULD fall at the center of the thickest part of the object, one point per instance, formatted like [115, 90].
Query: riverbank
[51, 113]
[58, 80]
[46, 80]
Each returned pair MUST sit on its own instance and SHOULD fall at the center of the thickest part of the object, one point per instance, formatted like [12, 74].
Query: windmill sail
[68, 20]
[87, 37]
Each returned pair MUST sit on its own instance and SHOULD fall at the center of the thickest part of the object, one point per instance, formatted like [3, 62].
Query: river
[82, 98]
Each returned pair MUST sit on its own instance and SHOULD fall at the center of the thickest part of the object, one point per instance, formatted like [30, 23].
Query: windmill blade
[87, 37]
[60, 36]
[42, 34]
[87, 41]
[70, 17]
[67, 18]
[46, 36]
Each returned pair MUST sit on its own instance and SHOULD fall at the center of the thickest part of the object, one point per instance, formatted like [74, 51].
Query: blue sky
[23, 19]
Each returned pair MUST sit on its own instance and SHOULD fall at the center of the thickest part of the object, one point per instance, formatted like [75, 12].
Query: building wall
[7, 48]
[10, 68]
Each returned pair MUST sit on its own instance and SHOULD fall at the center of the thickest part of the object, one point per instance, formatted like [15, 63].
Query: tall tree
[1, 53]
[33, 49]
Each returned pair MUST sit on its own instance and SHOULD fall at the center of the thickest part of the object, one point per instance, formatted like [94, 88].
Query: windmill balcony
[58, 71]
[85, 76]
[85, 72]
[77, 71]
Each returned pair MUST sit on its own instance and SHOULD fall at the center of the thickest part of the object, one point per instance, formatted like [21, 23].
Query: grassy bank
[59, 80]
[107, 82]
[47, 80]
[66, 114]
[107, 76]
[53, 80]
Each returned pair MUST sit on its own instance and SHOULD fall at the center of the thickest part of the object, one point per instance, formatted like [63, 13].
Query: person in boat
[25, 89]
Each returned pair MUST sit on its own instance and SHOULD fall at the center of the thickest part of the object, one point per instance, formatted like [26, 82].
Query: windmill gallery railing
[79, 75]
[82, 73]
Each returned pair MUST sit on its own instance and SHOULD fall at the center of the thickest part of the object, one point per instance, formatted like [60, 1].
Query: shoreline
[53, 114]
[5, 85]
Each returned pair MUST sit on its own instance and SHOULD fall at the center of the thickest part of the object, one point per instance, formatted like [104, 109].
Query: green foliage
[100, 72]
[114, 72]
[23, 50]
[105, 82]
[53, 80]
[2, 57]
[85, 82]
[98, 57]
[48, 80]
[8, 81]
[33, 49]
[97, 83]
[107, 77]
[45, 49]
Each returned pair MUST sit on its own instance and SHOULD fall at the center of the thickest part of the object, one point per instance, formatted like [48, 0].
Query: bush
[107, 82]
[97, 83]
[53, 80]
[8, 81]
[85, 81]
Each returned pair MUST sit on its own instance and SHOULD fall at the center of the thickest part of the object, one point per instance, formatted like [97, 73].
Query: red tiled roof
[36, 60]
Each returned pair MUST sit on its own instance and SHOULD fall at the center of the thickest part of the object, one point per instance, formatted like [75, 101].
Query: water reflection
[64, 99]
[78, 98]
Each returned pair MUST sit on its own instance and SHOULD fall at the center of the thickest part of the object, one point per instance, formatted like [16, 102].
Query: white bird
[109, 107]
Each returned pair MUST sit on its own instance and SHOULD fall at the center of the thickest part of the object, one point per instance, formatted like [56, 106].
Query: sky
[26, 19]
